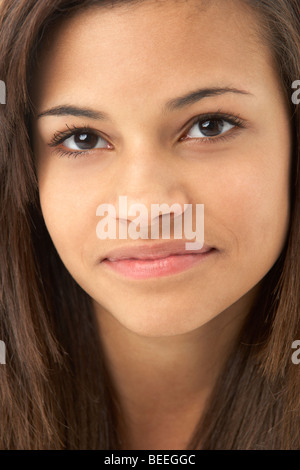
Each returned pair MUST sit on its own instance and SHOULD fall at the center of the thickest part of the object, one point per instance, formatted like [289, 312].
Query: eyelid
[233, 119]
[218, 115]
[60, 136]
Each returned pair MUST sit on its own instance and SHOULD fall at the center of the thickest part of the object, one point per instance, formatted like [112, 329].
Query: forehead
[159, 47]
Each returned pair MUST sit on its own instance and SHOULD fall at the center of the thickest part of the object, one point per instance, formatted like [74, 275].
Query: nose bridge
[150, 175]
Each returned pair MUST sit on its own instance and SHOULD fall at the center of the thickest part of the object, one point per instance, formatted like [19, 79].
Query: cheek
[69, 209]
[255, 210]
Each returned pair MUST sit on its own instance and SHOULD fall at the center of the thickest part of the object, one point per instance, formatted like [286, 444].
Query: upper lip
[154, 251]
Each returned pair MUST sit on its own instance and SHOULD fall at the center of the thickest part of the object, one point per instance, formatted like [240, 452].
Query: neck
[163, 383]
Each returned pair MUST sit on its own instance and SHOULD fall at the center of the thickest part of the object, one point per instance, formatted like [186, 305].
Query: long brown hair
[56, 392]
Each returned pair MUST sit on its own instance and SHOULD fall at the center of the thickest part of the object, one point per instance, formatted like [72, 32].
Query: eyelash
[59, 137]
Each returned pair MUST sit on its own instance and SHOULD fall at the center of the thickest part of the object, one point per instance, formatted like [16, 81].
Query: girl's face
[117, 74]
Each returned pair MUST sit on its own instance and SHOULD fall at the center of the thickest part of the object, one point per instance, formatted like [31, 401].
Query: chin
[158, 322]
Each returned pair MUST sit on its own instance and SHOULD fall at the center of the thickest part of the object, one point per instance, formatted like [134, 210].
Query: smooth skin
[165, 338]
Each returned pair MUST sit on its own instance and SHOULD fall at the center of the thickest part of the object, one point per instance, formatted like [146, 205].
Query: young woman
[133, 343]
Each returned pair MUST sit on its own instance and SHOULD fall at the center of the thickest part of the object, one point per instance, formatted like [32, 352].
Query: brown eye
[209, 128]
[85, 141]
[212, 127]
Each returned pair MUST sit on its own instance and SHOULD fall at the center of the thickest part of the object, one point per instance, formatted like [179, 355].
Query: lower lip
[145, 269]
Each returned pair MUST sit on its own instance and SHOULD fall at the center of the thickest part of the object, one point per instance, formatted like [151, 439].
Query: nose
[150, 180]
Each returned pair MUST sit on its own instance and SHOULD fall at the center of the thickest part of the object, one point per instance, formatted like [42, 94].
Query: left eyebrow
[198, 95]
[66, 110]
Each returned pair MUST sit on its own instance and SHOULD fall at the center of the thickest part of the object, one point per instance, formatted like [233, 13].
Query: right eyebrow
[200, 94]
[66, 110]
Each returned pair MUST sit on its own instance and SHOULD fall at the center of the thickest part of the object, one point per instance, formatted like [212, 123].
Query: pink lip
[158, 260]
